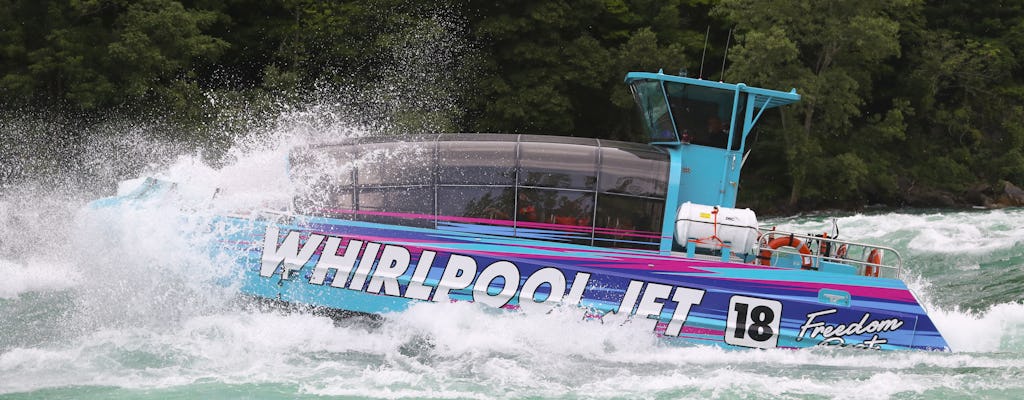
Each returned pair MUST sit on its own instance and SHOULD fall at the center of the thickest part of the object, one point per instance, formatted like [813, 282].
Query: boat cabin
[560, 189]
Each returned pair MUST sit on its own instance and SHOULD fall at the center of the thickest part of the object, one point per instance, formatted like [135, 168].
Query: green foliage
[556, 67]
[899, 97]
[832, 52]
[100, 54]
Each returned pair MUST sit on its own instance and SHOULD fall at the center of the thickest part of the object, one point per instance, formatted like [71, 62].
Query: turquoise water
[126, 306]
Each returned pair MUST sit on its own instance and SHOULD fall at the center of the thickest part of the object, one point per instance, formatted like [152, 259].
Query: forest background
[905, 103]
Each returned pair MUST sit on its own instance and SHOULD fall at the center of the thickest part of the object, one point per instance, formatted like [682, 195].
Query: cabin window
[489, 203]
[567, 163]
[372, 200]
[327, 201]
[323, 177]
[626, 221]
[540, 210]
[485, 161]
[407, 206]
[571, 190]
[634, 170]
[703, 114]
[395, 164]
[341, 203]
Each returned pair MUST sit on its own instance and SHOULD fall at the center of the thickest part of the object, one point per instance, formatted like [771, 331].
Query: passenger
[717, 135]
[527, 211]
[564, 220]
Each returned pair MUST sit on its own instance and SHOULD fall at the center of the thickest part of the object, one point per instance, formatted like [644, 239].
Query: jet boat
[643, 233]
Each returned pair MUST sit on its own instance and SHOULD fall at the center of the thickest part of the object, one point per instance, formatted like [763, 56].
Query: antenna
[725, 55]
[703, 52]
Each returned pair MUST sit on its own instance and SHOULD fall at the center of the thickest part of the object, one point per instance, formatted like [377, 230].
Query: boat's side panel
[380, 268]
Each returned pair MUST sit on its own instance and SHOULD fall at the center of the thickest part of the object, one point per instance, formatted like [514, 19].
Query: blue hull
[375, 268]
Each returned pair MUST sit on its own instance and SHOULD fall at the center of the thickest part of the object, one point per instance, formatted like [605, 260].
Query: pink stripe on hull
[506, 223]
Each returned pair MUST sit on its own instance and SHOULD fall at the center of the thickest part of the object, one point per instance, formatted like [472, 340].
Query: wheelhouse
[705, 124]
[563, 189]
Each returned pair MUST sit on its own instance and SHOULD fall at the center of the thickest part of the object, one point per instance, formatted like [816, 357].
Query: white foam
[961, 232]
[34, 275]
[998, 329]
[461, 350]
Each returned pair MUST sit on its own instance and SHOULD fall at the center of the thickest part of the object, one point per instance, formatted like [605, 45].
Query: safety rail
[821, 253]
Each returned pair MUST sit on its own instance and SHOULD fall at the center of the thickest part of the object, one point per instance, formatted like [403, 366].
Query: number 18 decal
[753, 322]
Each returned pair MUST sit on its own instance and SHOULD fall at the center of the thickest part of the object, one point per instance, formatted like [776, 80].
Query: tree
[833, 52]
[556, 67]
[965, 62]
[97, 54]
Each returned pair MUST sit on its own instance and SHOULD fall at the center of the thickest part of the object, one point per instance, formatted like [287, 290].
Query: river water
[127, 305]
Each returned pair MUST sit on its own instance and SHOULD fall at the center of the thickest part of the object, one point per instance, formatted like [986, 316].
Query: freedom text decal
[835, 335]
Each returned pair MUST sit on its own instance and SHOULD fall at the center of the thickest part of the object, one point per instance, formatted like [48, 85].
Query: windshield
[654, 112]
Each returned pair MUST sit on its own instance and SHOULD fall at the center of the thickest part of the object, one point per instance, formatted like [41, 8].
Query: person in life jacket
[717, 135]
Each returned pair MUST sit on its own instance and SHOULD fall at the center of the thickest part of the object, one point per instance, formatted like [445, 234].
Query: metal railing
[820, 253]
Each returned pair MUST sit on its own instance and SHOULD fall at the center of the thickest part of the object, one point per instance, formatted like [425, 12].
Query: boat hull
[375, 268]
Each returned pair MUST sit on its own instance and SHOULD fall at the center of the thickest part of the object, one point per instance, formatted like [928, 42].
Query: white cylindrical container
[735, 227]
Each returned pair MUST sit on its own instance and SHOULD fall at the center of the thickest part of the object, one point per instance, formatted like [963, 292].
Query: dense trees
[834, 52]
[905, 102]
[100, 54]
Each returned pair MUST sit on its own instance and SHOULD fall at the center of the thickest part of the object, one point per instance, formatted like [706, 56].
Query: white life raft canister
[702, 224]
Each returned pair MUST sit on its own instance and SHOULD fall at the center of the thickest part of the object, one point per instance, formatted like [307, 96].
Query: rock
[928, 197]
[978, 195]
[1014, 194]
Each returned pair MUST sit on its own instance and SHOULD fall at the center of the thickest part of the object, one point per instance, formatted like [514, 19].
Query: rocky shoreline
[1003, 194]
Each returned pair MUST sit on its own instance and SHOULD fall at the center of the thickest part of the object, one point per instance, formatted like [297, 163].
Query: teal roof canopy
[763, 98]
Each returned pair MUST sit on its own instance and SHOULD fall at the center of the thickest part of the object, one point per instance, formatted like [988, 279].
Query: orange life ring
[766, 255]
[843, 249]
[874, 263]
